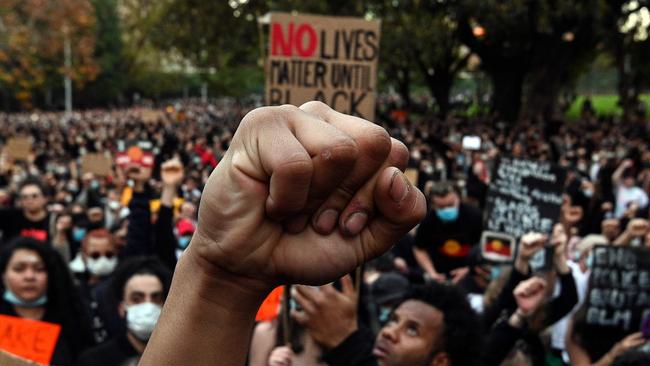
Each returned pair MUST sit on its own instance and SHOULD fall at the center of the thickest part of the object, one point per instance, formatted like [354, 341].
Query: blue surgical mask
[384, 313]
[94, 184]
[447, 214]
[78, 233]
[11, 298]
[184, 241]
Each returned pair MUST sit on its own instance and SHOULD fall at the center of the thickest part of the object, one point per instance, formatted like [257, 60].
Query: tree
[422, 35]
[32, 38]
[108, 87]
[541, 43]
[625, 34]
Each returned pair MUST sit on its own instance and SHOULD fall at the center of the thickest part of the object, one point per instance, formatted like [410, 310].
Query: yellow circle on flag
[451, 247]
[497, 245]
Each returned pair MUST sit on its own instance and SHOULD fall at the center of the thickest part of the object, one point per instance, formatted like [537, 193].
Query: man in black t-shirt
[31, 219]
[447, 234]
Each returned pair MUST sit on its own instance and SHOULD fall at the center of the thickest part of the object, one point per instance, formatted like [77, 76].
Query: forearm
[168, 195]
[561, 265]
[521, 266]
[60, 243]
[606, 360]
[200, 325]
[500, 341]
[565, 302]
[423, 259]
[623, 239]
[618, 173]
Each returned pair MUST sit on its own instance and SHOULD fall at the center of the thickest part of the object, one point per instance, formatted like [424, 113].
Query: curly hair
[462, 334]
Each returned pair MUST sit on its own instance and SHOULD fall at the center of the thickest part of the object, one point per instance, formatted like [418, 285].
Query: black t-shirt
[115, 352]
[449, 243]
[13, 223]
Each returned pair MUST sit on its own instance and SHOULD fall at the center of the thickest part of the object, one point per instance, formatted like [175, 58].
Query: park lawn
[603, 104]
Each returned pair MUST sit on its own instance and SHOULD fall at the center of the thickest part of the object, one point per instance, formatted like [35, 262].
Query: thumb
[400, 206]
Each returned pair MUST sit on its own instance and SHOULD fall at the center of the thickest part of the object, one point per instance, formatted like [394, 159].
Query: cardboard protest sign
[30, 339]
[98, 164]
[524, 196]
[618, 300]
[331, 59]
[412, 175]
[18, 148]
[7, 359]
[151, 115]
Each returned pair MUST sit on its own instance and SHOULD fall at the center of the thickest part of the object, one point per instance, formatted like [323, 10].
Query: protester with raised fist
[302, 195]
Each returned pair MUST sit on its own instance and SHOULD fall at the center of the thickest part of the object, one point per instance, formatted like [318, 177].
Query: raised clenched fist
[304, 195]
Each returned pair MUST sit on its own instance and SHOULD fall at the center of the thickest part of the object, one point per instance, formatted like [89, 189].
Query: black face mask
[78, 219]
[94, 225]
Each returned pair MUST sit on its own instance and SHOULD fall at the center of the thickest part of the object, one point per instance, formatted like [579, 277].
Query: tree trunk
[507, 91]
[543, 93]
[440, 88]
[404, 86]
[626, 94]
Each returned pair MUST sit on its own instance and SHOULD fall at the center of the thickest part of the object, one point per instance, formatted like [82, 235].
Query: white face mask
[141, 319]
[113, 205]
[101, 266]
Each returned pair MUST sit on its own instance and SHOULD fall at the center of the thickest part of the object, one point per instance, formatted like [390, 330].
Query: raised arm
[302, 195]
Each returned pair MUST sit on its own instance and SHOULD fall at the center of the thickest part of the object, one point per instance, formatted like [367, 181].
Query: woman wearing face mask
[36, 285]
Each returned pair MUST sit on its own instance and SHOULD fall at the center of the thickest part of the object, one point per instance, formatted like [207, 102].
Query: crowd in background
[95, 253]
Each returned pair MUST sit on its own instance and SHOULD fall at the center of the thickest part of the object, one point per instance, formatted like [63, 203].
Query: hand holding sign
[30, 339]
[632, 341]
[329, 315]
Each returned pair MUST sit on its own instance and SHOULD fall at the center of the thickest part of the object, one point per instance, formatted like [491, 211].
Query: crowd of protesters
[95, 253]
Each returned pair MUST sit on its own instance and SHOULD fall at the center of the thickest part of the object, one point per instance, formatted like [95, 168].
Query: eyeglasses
[97, 255]
[30, 196]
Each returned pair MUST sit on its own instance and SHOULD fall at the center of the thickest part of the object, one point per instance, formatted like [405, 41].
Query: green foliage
[108, 87]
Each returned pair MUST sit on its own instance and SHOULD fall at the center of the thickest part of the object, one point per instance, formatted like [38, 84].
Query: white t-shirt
[625, 196]
[581, 280]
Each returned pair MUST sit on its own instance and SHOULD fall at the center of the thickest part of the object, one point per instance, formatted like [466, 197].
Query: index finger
[346, 286]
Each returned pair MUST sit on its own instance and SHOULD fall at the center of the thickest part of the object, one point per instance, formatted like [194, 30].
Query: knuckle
[288, 109]
[316, 107]
[379, 142]
[343, 149]
[256, 117]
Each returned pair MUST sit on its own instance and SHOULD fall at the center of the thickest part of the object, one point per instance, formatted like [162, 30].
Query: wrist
[213, 282]
[561, 265]
[518, 319]
[521, 265]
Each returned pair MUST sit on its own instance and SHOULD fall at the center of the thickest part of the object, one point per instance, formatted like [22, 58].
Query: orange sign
[30, 339]
[270, 308]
